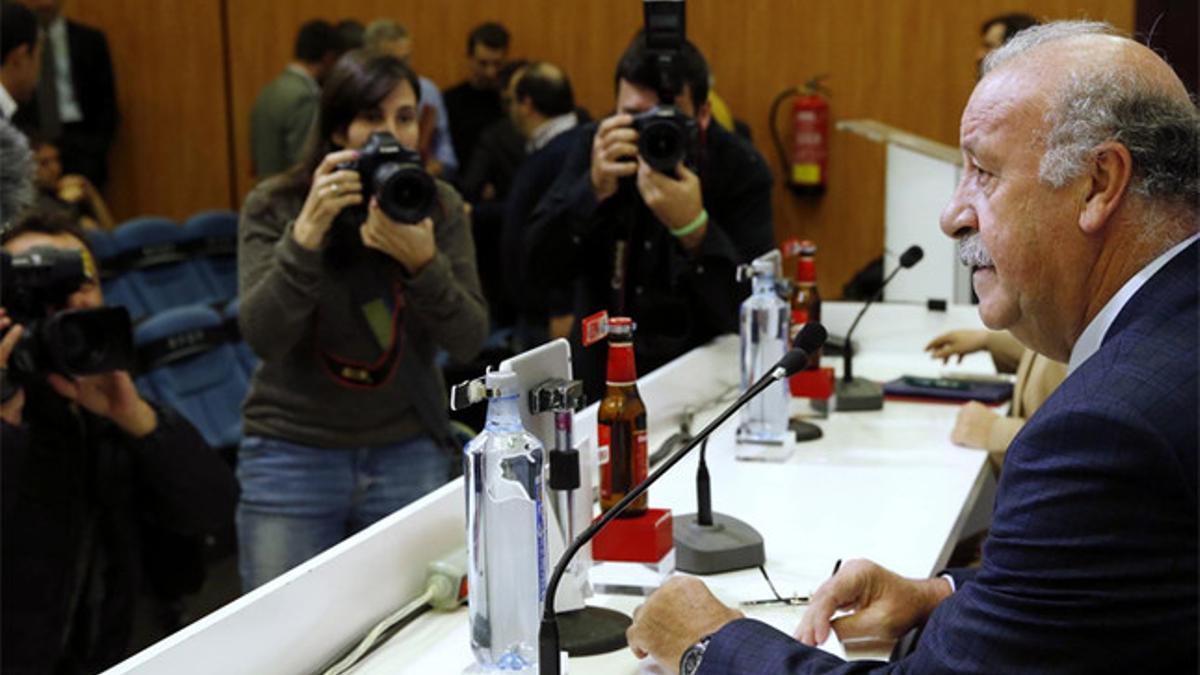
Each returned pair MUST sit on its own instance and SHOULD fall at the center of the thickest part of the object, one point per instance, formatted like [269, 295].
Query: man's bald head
[1099, 86]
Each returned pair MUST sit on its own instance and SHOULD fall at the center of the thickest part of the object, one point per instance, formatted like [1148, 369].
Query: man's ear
[1108, 183]
[704, 115]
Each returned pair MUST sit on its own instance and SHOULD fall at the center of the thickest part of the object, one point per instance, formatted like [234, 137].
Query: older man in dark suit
[76, 103]
[1078, 211]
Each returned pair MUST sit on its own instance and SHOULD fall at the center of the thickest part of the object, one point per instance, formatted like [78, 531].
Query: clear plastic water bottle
[506, 535]
[764, 332]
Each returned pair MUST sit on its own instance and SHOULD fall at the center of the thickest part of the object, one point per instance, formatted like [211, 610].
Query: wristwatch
[690, 662]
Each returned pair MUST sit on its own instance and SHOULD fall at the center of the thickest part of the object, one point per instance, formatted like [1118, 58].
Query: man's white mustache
[972, 253]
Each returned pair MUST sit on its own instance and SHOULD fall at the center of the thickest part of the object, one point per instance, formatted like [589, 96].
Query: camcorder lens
[88, 341]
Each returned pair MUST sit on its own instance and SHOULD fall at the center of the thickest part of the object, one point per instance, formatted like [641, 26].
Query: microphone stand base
[859, 394]
[726, 545]
[592, 630]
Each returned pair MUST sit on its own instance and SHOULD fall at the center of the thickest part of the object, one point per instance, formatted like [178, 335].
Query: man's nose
[958, 218]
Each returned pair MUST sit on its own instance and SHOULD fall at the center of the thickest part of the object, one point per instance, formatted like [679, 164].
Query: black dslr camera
[666, 136]
[70, 342]
[393, 173]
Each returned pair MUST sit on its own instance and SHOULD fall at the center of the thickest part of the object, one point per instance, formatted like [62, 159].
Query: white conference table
[885, 485]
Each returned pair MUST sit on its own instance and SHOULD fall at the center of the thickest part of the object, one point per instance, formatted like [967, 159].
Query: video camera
[394, 173]
[666, 136]
[70, 342]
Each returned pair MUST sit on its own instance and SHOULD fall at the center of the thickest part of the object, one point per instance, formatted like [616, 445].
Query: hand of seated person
[885, 605]
[110, 395]
[74, 189]
[412, 245]
[676, 616]
[614, 149]
[10, 410]
[973, 425]
[957, 343]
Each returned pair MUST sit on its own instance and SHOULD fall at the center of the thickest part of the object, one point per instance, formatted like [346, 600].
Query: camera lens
[662, 145]
[82, 351]
[406, 193]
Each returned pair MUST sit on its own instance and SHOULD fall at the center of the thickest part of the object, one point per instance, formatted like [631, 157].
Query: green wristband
[691, 227]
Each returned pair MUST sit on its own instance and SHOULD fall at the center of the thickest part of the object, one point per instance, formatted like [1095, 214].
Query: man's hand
[111, 395]
[10, 410]
[411, 245]
[674, 618]
[957, 343]
[674, 201]
[885, 604]
[613, 151]
[974, 425]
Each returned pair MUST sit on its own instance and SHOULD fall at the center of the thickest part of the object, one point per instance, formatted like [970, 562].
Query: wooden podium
[921, 177]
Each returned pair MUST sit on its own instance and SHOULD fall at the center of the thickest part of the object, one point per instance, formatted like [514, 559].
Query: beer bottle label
[641, 457]
[603, 455]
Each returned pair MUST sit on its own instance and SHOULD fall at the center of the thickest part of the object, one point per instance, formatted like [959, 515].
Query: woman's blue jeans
[298, 500]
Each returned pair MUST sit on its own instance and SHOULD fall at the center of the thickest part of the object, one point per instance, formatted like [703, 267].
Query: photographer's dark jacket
[79, 496]
[679, 300]
[301, 317]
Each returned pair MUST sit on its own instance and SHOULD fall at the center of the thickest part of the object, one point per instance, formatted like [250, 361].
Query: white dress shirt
[68, 106]
[8, 104]
[1093, 336]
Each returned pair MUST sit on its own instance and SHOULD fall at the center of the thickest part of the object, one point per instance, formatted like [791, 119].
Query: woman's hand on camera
[411, 245]
[332, 190]
[10, 410]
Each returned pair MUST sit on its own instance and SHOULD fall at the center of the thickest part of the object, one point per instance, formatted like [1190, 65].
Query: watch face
[690, 662]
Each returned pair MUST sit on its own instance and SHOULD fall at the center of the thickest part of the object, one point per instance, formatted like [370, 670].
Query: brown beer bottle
[806, 295]
[621, 424]
[806, 299]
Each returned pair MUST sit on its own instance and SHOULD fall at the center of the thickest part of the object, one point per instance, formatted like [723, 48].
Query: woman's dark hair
[359, 81]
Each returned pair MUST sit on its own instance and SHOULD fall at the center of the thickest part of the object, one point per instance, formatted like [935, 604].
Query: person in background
[1078, 212]
[977, 426]
[73, 194]
[92, 474]
[352, 34]
[437, 150]
[284, 110]
[673, 241]
[541, 104]
[474, 104]
[346, 420]
[997, 30]
[76, 103]
[21, 47]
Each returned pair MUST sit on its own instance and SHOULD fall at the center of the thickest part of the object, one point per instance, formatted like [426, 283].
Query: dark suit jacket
[1091, 564]
[84, 144]
[679, 300]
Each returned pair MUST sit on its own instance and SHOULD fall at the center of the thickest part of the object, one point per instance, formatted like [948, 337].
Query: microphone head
[911, 256]
[810, 339]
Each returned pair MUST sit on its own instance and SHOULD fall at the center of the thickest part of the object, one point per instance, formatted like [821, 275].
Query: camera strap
[384, 319]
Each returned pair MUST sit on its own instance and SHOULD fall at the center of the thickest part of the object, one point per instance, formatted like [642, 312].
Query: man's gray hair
[16, 174]
[1104, 104]
[383, 30]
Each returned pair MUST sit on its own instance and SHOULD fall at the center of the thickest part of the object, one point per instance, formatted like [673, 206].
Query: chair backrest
[189, 361]
[158, 265]
[117, 290]
[212, 235]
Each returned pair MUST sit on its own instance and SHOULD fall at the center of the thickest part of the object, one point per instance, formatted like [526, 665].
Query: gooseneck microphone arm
[810, 338]
[911, 256]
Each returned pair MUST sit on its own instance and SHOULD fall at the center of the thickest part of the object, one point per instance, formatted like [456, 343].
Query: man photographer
[660, 248]
[87, 464]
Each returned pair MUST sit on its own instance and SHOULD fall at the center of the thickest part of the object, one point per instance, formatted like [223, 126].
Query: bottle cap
[502, 383]
[620, 326]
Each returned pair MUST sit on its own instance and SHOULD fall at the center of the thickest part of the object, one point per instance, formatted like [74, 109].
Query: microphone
[855, 393]
[810, 339]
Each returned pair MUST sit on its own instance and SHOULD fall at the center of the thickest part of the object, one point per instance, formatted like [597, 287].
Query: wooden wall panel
[171, 156]
[908, 63]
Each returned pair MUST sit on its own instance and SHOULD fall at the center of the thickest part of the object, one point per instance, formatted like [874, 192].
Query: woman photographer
[346, 417]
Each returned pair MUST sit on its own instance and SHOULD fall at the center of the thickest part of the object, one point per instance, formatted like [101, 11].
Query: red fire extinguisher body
[810, 144]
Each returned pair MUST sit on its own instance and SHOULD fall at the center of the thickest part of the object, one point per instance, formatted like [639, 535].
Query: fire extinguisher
[805, 166]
